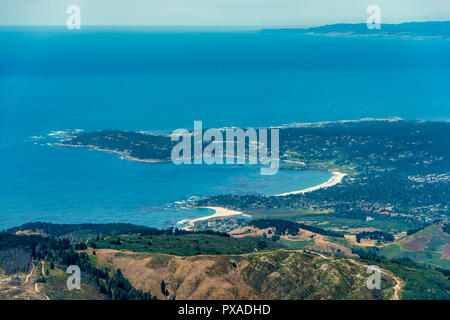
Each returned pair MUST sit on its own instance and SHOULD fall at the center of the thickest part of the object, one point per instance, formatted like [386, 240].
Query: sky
[219, 12]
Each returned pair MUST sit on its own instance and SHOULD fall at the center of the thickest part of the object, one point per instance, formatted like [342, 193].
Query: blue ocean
[157, 80]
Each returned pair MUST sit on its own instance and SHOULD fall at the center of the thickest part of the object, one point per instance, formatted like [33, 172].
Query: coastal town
[381, 168]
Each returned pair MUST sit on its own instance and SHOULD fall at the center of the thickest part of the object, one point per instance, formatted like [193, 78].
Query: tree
[163, 288]
[262, 244]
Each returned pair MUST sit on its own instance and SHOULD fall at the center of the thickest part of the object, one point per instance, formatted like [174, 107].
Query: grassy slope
[191, 268]
[55, 286]
[421, 283]
[186, 245]
[425, 246]
[276, 274]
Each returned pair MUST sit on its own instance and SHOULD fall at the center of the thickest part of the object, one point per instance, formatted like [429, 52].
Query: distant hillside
[438, 29]
[428, 246]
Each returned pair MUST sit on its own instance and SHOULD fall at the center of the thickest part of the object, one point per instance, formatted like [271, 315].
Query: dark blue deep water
[158, 80]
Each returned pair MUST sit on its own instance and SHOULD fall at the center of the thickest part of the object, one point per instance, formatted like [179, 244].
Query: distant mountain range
[433, 29]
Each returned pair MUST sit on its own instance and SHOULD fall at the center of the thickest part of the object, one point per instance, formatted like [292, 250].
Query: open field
[18, 286]
[32, 286]
[332, 220]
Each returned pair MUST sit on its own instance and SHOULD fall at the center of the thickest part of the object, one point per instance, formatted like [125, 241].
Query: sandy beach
[219, 213]
[295, 162]
[335, 179]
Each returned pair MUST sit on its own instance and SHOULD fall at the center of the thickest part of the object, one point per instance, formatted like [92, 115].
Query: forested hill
[84, 231]
[413, 146]
[440, 29]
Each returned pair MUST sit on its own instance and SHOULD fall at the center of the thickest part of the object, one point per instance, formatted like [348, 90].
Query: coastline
[220, 212]
[124, 155]
[334, 180]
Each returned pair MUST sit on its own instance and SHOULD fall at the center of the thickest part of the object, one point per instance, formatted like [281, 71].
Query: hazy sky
[219, 12]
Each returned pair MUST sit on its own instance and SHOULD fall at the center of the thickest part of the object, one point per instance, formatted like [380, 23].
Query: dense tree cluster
[413, 231]
[38, 246]
[446, 228]
[283, 227]
[134, 144]
[54, 230]
[15, 260]
[375, 235]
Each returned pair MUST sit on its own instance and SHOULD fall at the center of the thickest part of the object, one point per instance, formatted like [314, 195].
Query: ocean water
[66, 185]
[145, 79]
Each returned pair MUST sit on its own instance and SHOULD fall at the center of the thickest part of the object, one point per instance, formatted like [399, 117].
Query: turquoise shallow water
[140, 80]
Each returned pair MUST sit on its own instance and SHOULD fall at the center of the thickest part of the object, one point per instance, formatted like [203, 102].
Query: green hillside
[428, 246]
